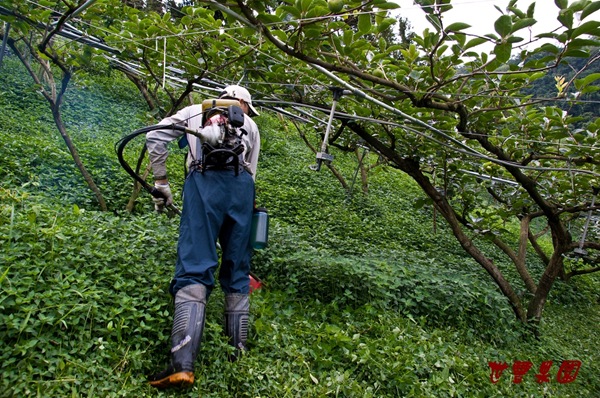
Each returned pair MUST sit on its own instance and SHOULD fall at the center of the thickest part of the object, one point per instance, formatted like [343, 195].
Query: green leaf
[364, 23]
[562, 4]
[380, 56]
[586, 81]
[472, 54]
[186, 20]
[502, 52]
[411, 54]
[584, 43]
[531, 10]
[503, 25]
[434, 20]
[514, 39]
[419, 203]
[388, 5]
[153, 30]
[565, 17]
[3, 276]
[577, 6]
[440, 51]
[523, 23]
[589, 27]
[577, 53]
[348, 37]
[457, 26]
[517, 12]
[269, 18]
[590, 89]
[426, 5]
[557, 134]
[293, 11]
[306, 5]
[590, 9]
[474, 42]
[563, 37]
[317, 11]
[337, 43]
[549, 35]
[358, 45]
[551, 48]
[313, 32]
[444, 5]
[536, 75]
[386, 23]
[460, 38]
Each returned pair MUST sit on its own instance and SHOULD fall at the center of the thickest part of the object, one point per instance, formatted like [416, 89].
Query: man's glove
[160, 203]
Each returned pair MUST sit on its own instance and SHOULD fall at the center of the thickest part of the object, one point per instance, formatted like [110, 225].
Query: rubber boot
[237, 310]
[188, 324]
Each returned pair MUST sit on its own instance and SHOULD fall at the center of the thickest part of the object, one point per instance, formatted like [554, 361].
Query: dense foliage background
[362, 297]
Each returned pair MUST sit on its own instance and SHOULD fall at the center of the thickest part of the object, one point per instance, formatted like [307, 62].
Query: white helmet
[240, 93]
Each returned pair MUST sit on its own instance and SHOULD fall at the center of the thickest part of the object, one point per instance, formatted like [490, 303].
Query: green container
[260, 228]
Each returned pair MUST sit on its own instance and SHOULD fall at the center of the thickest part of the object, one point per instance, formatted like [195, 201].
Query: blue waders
[217, 204]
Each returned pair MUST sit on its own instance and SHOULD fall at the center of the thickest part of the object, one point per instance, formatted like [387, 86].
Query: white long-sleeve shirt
[191, 117]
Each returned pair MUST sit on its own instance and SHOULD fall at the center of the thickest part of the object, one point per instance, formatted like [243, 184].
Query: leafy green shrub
[78, 297]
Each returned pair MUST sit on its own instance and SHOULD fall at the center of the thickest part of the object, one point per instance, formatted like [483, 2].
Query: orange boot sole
[180, 380]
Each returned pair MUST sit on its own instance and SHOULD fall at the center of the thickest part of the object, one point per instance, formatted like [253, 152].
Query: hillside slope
[362, 298]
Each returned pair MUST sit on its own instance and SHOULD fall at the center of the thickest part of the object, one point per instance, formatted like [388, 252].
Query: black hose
[120, 147]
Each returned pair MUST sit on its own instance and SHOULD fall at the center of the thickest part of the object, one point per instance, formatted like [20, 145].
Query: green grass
[362, 298]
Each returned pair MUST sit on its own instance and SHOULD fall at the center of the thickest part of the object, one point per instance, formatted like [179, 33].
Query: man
[218, 203]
